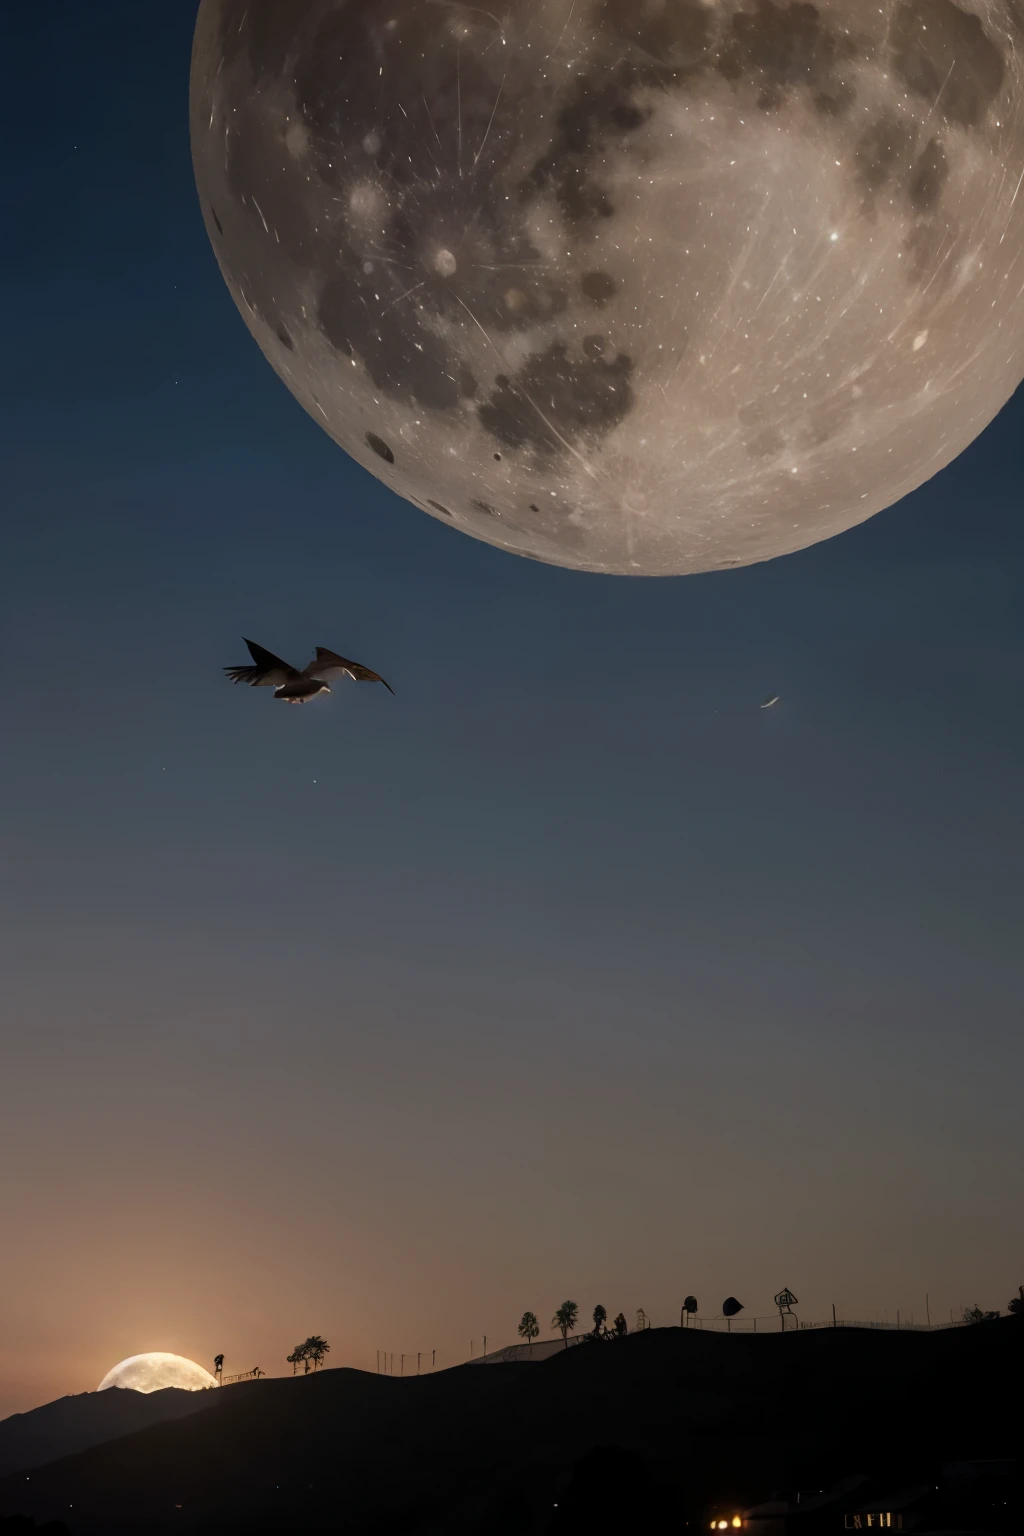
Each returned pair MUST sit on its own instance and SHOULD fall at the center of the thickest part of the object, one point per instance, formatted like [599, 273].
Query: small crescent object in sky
[769, 702]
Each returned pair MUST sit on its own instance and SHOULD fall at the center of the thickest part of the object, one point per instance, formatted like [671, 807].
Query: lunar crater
[655, 255]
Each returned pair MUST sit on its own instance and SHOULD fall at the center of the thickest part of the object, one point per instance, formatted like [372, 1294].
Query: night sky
[566, 972]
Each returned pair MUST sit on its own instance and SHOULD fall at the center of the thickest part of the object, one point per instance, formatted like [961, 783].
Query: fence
[420, 1362]
[544, 1348]
[788, 1322]
[899, 1326]
[410, 1362]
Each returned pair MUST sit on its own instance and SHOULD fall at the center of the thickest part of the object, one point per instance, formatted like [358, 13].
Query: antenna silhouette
[786, 1301]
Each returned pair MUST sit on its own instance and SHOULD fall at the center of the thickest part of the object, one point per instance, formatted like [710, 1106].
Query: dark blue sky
[566, 970]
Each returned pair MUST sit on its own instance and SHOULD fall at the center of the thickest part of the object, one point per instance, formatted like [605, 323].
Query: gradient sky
[565, 972]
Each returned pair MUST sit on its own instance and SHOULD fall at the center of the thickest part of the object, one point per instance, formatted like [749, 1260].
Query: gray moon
[638, 286]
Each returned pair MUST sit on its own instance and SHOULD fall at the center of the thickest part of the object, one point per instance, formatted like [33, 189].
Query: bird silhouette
[293, 686]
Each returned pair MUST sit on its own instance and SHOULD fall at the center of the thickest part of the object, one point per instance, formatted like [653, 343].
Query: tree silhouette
[312, 1352]
[565, 1320]
[600, 1319]
[973, 1315]
[621, 1326]
[1016, 1306]
[316, 1349]
[529, 1327]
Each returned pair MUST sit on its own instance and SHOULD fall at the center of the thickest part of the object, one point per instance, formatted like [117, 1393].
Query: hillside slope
[89, 1418]
[675, 1418]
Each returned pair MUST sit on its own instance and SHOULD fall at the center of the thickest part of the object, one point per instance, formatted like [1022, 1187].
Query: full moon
[153, 1372]
[637, 286]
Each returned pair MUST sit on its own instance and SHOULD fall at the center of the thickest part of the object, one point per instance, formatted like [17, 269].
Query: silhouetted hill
[20, 1525]
[75, 1423]
[632, 1436]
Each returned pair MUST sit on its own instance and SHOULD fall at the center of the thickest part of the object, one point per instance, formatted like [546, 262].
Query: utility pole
[927, 1310]
[833, 1314]
[433, 1357]
[417, 1362]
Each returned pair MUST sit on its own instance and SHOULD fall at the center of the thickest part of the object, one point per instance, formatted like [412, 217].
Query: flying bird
[773, 700]
[293, 686]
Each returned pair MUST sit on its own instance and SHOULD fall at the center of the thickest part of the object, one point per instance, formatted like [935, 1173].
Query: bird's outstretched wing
[269, 670]
[325, 662]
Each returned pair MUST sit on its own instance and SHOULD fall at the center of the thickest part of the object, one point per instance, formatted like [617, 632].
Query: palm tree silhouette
[529, 1327]
[564, 1320]
[312, 1352]
[316, 1348]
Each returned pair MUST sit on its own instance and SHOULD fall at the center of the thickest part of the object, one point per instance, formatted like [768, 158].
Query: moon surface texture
[638, 286]
[153, 1372]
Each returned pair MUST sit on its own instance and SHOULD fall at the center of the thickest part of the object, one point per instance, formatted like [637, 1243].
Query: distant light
[737, 1522]
[834, 236]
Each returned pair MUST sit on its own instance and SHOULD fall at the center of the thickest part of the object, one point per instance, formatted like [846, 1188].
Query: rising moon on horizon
[635, 286]
[155, 1371]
